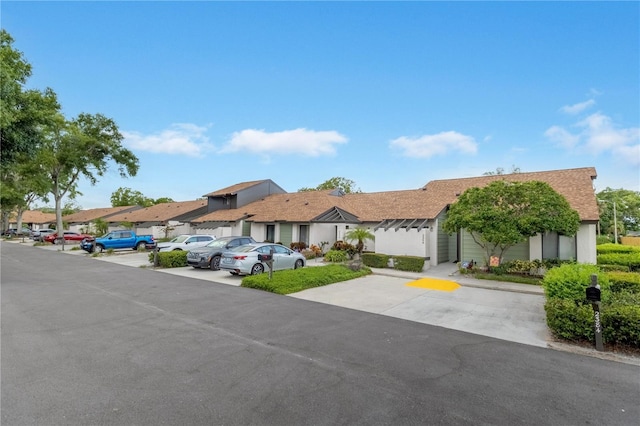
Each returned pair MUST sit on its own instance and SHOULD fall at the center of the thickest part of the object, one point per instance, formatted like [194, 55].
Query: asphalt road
[95, 343]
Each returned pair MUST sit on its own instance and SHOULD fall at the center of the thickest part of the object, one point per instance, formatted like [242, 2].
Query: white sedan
[245, 260]
[186, 242]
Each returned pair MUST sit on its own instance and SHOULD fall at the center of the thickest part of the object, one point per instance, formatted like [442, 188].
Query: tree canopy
[627, 210]
[503, 214]
[346, 185]
[129, 197]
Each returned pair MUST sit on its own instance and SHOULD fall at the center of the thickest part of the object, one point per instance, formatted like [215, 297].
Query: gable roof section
[180, 211]
[234, 189]
[85, 216]
[336, 215]
[576, 185]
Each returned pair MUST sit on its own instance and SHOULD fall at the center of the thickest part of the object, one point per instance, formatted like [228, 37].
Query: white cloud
[577, 108]
[601, 134]
[298, 141]
[180, 138]
[598, 134]
[562, 137]
[430, 145]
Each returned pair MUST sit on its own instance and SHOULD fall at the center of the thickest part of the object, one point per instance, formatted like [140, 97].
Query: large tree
[83, 147]
[22, 112]
[627, 210]
[346, 185]
[23, 115]
[503, 214]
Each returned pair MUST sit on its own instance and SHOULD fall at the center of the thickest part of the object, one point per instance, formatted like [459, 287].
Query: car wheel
[299, 264]
[99, 249]
[140, 245]
[257, 269]
[215, 263]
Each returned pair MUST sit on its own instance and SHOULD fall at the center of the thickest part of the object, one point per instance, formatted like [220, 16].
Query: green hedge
[375, 260]
[616, 248]
[630, 259]
[570, 315]
[408, 263]
[621, 281]
[570, 281]
[575, 322]
[170, 259]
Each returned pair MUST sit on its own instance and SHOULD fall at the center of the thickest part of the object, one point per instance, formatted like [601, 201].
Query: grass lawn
[292, 281]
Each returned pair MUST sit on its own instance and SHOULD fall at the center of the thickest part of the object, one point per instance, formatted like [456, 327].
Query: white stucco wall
[322, 232]
[402, 242]
[535, 247]
[586, 244]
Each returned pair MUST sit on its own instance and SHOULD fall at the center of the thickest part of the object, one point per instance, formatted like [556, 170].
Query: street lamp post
[615, 221]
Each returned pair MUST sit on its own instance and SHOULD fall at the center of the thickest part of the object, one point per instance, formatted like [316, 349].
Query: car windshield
[179, 239]
[218, 243]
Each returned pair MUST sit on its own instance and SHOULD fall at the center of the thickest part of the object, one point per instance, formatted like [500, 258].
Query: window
[271, 233]
[304, 234]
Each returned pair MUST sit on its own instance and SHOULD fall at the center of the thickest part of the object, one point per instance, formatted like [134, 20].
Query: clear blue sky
[390, 95]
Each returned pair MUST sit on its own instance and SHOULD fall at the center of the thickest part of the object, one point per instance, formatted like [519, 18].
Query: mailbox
[593, 294]
[265, 257]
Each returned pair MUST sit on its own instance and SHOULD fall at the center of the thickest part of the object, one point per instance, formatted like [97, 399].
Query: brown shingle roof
[35, 216]
[425, 203]
[159, 212]
[234, 189]
[85, 216]
[576, 185]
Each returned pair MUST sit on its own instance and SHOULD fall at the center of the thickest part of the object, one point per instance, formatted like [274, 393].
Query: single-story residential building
[34, 220]
[83, 221]
[406, 222]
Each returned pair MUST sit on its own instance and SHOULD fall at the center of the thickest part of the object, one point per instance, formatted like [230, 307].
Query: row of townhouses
[404, 222]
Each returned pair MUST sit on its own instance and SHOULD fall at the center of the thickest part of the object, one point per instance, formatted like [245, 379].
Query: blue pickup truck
[118, 240]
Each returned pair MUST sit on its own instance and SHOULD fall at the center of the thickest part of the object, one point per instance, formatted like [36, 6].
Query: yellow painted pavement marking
[434, 284]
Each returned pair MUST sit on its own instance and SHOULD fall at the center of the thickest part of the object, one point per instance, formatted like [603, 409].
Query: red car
[68, 236]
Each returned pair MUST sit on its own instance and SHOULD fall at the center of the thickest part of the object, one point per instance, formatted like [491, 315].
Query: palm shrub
[360, 235]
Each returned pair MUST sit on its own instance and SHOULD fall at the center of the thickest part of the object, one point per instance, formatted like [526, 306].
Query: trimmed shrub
[336, 256]
[630, 259]
[375, 260]
[624, 281]
[570, 281]
[408, 263]
[616, 248]
[602, 239]
[613, 268]
[170, 259]
[570, 321]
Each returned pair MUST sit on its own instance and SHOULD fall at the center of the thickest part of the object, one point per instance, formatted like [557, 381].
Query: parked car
[12, 232]
[39, 234]
[244, 260]
[186, 242]
[68, 236]
[118, 240]
[209, 255]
